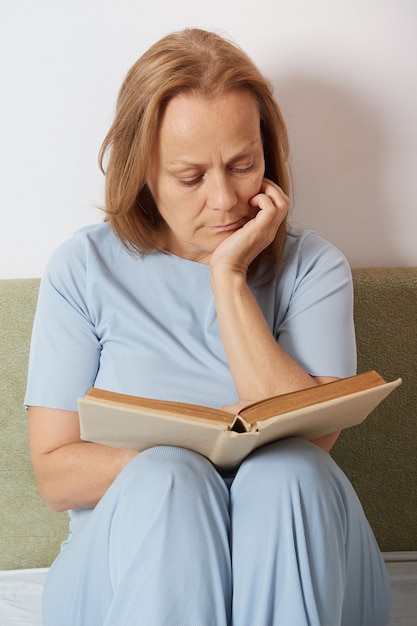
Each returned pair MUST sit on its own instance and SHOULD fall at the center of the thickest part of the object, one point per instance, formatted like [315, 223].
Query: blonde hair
[191, 61]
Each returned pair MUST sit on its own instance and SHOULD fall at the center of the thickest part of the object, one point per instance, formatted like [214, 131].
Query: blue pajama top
[147, 325]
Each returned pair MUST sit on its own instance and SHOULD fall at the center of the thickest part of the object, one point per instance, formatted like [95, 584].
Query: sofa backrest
[30, 534]
[380, 456]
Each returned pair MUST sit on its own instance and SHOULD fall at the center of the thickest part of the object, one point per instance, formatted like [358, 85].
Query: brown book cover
[137, 423]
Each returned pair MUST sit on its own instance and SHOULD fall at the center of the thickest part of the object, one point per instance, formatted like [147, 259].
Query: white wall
[344, 70]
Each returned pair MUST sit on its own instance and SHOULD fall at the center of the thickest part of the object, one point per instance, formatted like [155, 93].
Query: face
[207, 163]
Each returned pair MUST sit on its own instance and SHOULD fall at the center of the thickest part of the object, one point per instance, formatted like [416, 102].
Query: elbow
[55, 505]
[326, 442]
[52, 494]
[51, 498]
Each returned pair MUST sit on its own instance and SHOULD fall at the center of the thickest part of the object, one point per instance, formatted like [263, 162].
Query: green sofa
[380, 456]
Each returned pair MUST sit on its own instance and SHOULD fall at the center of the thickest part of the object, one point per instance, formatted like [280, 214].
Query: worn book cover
[138, 423]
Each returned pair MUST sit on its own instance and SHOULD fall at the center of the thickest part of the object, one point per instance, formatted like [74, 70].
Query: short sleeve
[317, 329]
[65, 350]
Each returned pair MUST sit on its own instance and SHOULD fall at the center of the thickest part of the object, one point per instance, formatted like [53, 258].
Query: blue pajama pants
[287, 544]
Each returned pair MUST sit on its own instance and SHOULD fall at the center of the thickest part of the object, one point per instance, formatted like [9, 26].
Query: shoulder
[308, 246]
[83, 243]
[83, 252]
[311, 266]
[78, 263]
[307, 254]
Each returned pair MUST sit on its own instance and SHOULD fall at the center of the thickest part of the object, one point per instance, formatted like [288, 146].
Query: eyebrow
[243, 153]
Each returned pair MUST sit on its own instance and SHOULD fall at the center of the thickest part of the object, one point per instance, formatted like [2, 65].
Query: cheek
[253, 184]
[179, 211]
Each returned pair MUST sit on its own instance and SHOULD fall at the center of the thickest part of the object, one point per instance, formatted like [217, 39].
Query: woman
[194, 289]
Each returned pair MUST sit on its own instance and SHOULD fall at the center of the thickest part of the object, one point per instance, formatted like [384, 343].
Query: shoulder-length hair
[195, 62]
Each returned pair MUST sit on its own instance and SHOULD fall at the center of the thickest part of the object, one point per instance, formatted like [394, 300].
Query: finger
[272, 201]
[273, 190]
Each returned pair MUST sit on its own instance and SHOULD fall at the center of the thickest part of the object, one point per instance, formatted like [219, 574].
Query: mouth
[230, 225]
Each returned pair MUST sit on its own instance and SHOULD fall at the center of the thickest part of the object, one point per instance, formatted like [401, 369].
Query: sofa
[379, 456]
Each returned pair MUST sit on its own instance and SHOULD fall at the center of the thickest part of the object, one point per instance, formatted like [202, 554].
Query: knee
[179, 462]
[292, 477]
[289, 463]
[161, 475]
[168, 455]
[292, 456]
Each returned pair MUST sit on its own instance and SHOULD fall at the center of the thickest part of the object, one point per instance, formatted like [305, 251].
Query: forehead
[193, 120]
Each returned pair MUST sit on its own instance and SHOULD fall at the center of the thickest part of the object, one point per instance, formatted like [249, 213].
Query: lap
[172, 508]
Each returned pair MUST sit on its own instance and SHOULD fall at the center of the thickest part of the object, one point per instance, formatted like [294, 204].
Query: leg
[302, 550]
[154, 551]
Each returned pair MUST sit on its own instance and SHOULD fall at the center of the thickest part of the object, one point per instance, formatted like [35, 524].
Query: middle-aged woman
[194, 289]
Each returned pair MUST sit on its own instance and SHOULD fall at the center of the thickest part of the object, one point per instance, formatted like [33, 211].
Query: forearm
[77, 475]
[260, 368]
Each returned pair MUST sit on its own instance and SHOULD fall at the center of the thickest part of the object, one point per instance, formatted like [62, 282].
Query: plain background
[344, 72]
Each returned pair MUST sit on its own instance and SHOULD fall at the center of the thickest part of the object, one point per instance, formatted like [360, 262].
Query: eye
[242, 170]
[189, 182]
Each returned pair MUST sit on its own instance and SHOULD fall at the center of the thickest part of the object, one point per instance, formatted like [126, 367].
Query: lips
[231, 225]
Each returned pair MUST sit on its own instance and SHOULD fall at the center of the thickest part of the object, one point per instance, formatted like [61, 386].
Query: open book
[138, 423]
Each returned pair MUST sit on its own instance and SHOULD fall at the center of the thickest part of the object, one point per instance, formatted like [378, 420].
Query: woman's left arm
[259, 366]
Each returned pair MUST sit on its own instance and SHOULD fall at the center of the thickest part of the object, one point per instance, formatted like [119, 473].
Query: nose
[221, 195]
